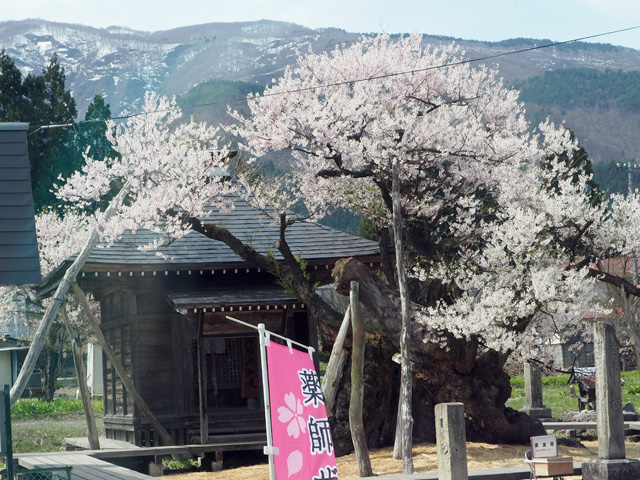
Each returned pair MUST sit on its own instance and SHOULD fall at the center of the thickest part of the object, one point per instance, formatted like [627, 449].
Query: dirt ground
[480, 455]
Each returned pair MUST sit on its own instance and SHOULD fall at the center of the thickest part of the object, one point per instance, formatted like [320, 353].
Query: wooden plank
[79, 468]
[504, 473]
[94, 457]
[555, 426]
[84, 467]
[81, 443]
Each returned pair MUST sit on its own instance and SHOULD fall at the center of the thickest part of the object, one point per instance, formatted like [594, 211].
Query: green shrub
[188, 464]
[556, 381]
[26, 408]
[555, 393]
[517, 382]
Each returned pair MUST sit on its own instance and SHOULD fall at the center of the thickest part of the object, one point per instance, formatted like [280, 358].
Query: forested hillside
[209, 100]
[583, 88]
[601, 107]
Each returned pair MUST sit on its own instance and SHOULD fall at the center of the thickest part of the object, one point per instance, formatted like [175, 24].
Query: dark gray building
[19, 263]
[165, 316]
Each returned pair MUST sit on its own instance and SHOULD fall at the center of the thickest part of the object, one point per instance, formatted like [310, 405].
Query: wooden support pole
[337, 360]
[76, 347]
[58, 298]
[357, 386]
[117, 364]
[406, 386]
[202, 391]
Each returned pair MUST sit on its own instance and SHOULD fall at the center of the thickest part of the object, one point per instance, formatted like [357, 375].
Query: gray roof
[19, 262]
[228, 296]
[316, 243]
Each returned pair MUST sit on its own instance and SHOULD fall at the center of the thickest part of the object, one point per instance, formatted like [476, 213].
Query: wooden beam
[357, 385]
[76, 347]
[56, 302]
[337, 360]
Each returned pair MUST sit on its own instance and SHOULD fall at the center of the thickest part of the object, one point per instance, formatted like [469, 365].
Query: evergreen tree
[92, 133]
[11, 90]
[51, 150]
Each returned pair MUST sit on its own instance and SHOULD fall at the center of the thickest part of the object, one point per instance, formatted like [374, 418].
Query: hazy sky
[557, 20]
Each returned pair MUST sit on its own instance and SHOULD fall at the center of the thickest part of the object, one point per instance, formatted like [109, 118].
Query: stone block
[537, 412]
[155, 469]
[534, 405]
[608, 393]
[451, 440]
[620, 469]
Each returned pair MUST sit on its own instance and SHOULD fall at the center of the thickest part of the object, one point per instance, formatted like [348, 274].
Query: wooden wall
[156, 346]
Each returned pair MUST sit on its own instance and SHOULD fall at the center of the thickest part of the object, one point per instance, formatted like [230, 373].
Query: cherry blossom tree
[500, 230]
[162, 174]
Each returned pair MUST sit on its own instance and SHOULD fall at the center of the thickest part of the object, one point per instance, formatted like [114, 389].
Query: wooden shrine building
[164, 313]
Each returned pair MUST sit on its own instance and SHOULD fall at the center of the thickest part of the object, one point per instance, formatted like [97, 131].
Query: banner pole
[268, 450]
[273, 334]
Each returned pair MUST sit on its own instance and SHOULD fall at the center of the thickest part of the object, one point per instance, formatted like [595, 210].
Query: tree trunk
[461, 373]
[631, 318]
[357, 386]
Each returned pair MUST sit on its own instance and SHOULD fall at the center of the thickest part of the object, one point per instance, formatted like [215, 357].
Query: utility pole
[630, 166]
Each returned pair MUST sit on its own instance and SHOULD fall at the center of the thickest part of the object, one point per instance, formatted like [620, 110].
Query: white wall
[5, 368]
[94, 370]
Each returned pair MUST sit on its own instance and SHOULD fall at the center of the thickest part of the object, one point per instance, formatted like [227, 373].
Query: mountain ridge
[121, 63]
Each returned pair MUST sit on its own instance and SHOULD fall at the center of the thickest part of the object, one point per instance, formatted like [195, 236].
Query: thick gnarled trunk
[460, 373]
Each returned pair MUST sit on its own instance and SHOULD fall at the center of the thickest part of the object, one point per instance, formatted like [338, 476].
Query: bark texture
[463, 373]
[357, 371]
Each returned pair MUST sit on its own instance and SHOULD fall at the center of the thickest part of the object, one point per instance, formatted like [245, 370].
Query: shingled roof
[19, 262]
[316, 243]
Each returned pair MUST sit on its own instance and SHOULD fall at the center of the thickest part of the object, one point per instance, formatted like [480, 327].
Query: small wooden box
[552, 466]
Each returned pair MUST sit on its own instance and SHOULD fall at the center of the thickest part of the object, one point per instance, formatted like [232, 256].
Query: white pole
[268, 450]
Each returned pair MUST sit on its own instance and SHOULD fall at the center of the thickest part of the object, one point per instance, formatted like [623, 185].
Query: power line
[366, 79]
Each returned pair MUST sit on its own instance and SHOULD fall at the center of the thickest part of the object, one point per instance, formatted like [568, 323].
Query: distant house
[568, 354]
[165, 316]
[19, 261]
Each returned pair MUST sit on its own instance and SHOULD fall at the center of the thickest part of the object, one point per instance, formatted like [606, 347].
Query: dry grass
[479, 455]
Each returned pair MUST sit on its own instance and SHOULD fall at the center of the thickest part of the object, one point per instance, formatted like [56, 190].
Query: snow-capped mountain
[120, 63]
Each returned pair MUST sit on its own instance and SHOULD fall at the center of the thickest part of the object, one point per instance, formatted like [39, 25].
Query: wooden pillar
[357, 385]
[336, 364]
[202, 385]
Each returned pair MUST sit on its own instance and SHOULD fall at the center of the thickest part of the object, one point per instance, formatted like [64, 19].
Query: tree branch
[345, 172]
[616, 281]
[289, 272]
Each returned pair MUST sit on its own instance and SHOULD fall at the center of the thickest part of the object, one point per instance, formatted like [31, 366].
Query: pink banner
[298, 417]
